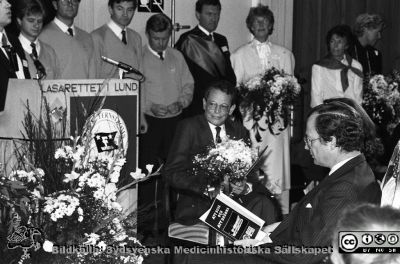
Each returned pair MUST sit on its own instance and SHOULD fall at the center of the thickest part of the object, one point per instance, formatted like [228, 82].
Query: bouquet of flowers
[382, 99]
[88, 212]
[271, 93]
[229, 159]
[84, 218]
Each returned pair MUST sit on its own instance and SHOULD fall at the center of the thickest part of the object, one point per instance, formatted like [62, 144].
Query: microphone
[122, 65]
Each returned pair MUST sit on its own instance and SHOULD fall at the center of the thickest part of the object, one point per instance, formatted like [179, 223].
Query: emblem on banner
[108, 132]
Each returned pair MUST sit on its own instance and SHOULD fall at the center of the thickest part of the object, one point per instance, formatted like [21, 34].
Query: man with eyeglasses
[196, 135]
[13, 62]
[73, 46]
[116, 41]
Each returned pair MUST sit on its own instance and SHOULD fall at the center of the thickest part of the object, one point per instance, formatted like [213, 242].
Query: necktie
[123, 32]
[41, 71]
[161, 55]
[34, 51]
[218, 137]
[70, 32]
[12, 56]
[212, 37]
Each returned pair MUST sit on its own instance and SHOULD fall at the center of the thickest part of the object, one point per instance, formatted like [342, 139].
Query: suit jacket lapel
[4, 61]
[206, 136]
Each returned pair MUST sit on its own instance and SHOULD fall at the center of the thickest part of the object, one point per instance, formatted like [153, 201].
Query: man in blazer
[206, 53]
[350, 181]
[13, 63]
[193, 136]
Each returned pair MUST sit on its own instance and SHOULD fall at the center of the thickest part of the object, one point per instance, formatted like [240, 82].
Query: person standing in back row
[206, 53]
[73, 46]
[116, 41]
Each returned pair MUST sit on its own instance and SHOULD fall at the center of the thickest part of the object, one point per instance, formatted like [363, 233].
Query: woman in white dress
[247, 61]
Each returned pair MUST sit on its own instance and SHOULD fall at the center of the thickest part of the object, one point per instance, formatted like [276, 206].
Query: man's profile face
[217, 107]
[122, 13]
[158, 41]
[209, 17]
[31, 25]
[5, 13]
[67, 9]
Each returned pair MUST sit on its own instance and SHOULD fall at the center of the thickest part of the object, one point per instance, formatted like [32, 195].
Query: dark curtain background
[312, 20]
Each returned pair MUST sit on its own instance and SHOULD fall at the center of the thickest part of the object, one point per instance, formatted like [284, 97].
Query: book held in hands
[233, 220]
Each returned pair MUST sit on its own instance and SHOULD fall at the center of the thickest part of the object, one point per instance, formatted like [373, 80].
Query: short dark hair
[260, 11]
[367, 21]
[201, 3]
[368, 124]
[159, 23]
[29, 7]
[339, 120]
[368, 217]
[343, 31]
[112, 2]
[223, 86]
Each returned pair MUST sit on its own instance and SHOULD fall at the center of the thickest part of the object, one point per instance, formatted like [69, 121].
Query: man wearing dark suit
[194, 136]
[350, 181]
[13, 63]
[206, 53]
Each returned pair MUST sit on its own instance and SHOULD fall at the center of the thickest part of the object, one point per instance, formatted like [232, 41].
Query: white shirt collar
[155, 53]
[222, 133]
[340, 164]
[116, 28]
[204, 30]
[26, 44]
[257, 42]
[63, 27]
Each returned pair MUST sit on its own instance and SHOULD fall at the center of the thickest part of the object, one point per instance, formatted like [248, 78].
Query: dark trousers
[153, 149]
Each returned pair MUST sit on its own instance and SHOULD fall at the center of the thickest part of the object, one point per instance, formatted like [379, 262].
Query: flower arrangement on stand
[270, 94]
[229, 160]
[88, 212]
[82, 220]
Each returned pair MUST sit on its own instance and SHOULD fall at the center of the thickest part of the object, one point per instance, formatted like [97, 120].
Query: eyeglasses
[308, 141]
[211, 106]
[71, 2]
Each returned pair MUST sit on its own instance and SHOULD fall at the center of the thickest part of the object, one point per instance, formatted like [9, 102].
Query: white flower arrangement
[269, 94]
[230, 158]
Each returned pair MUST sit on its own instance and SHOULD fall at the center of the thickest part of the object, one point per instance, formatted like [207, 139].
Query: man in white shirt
[73, 46]
[12, 58]
[41, 57]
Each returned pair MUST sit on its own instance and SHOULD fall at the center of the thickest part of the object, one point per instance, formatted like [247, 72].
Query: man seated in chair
[193, 136]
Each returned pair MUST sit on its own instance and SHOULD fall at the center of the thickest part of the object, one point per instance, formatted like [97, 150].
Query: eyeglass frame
[223, 108]
[71, 2]
[308, 141]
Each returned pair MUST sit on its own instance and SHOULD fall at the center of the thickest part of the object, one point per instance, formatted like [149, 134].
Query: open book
[233, 220]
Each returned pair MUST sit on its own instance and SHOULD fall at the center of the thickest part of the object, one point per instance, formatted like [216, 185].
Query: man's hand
[159, 110]
[174, 107]
[238, 188]
[253, 242]
[143, 124]
[270, 228]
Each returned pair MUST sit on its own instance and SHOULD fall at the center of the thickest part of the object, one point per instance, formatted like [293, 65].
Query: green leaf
[17, 185]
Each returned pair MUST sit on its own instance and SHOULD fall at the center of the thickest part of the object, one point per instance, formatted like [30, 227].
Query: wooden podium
[119, 112]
